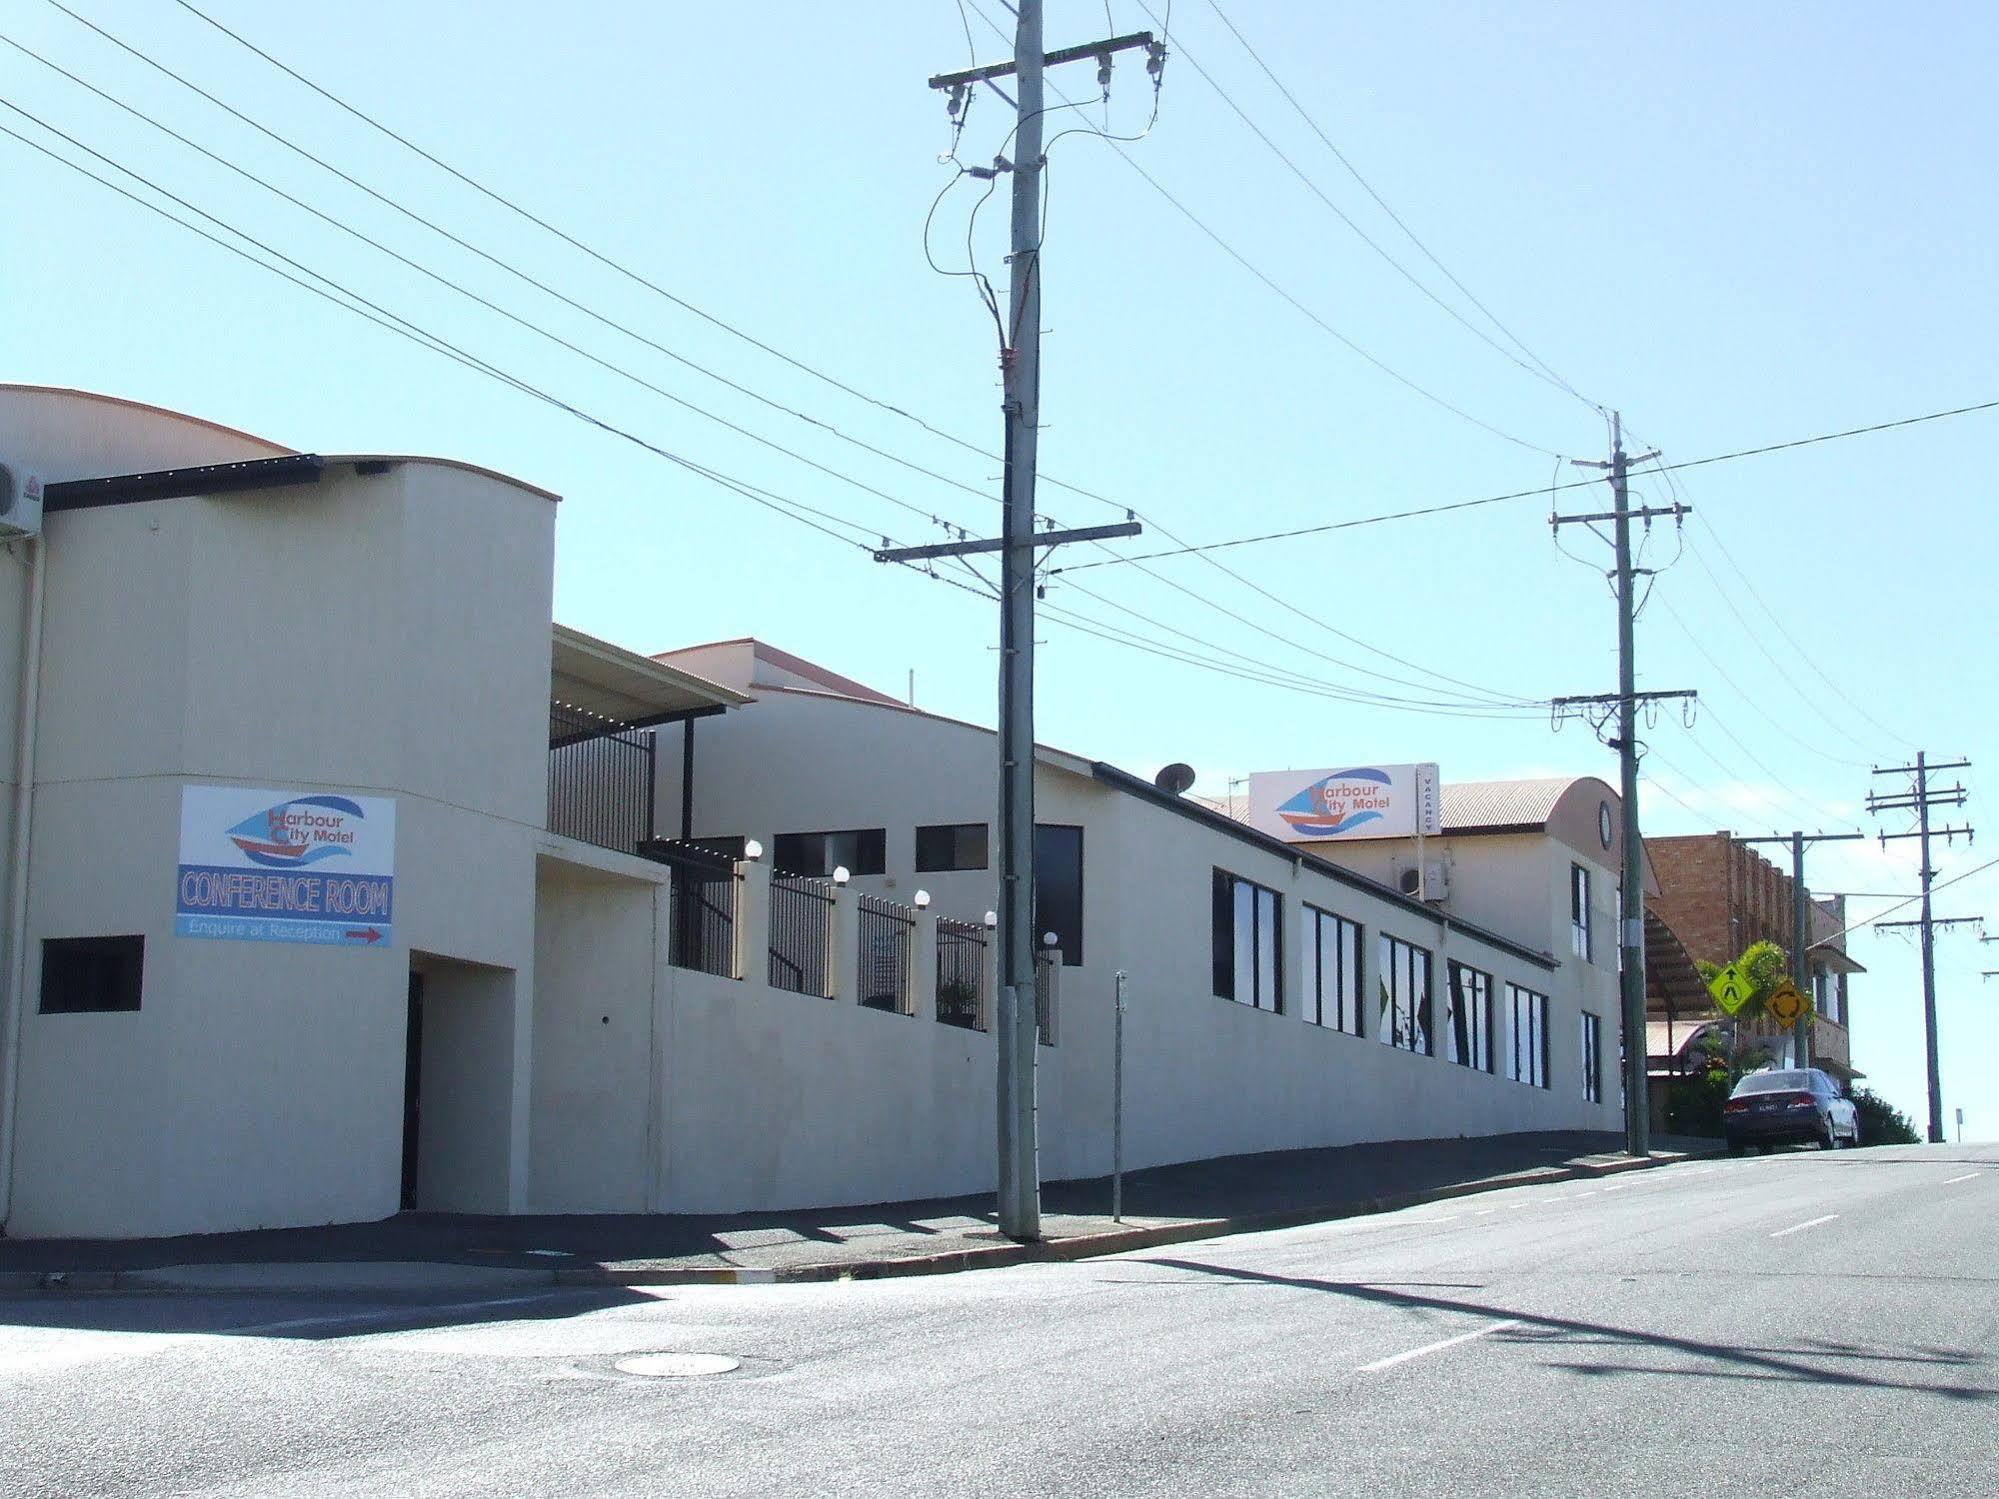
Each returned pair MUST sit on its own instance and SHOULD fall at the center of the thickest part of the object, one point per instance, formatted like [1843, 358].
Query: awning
[1834, 959]
[622, 689]
[1672, 982]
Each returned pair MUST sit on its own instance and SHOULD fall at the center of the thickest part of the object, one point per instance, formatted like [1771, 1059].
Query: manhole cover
[677, 1365]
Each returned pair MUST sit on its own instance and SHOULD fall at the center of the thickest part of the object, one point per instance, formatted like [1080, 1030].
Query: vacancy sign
[285, 866]
[1360, 801]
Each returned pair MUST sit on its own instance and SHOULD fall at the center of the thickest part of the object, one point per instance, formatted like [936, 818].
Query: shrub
[1693, 1104]
[1881, 1123]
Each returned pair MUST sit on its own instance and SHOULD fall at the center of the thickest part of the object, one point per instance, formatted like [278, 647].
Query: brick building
[1717, 895]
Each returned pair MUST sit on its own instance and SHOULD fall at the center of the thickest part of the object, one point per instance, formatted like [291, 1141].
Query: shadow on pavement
[1724, 1361]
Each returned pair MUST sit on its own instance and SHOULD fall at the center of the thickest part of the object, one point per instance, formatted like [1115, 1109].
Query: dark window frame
[1410, 1027]
[954, 858]
[1534, 1004]
[1266, 957]
[1348, 939]
[1072, 949]
[1582, 936]
[787, 852]
[95, 975]
[1592, 1041]
[1479, 1036]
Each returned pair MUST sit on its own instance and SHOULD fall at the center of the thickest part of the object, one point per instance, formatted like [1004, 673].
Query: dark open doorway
[412, 1091]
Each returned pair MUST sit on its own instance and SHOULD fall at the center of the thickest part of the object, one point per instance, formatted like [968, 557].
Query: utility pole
[1020, 371]
[1625, 701]
[1919, 799]
[1801, 928]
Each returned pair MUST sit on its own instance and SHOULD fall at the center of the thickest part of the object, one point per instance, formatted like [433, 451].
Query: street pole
[1624, 702]
[1631, 968]
[1020, 377]
[1801, 931]
[1117, 1105]
[1919, 799]
[1932, 1073]
[1020, 369]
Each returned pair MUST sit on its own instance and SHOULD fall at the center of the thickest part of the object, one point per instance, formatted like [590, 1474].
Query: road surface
[1806, 1323]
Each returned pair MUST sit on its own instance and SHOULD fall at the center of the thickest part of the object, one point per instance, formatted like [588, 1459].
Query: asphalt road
[1824, 1324]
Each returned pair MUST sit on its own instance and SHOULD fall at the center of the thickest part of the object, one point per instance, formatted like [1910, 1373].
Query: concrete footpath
[429, 1252]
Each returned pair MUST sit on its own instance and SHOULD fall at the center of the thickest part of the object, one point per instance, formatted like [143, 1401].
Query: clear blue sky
[1737, 224]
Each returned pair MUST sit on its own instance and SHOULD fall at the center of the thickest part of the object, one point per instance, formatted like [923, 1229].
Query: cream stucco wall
[362, 635]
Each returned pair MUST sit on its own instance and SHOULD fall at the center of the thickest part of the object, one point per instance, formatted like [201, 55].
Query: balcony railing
[888, 934]
[961, 974]
[704, 897]
[600, 780]
[801, 928]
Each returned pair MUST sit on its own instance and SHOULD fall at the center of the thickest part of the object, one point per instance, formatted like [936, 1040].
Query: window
[1579, 931]
[1592, 1058]
[1248, 934]
[1405, 996]
[1058, 888]
[92, 975]
[1526, 1036]
[951, 845]
[1329, 977]
[1468, 1018]
[858, 851]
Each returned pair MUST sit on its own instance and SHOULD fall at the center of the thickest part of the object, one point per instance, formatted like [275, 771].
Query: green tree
[1881, 1123]
[1764, 964]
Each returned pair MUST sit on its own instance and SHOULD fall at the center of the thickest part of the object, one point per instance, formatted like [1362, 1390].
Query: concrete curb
[1093, 1246]
[172, 1280]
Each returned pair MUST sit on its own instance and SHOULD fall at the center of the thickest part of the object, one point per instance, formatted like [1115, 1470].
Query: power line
[455, 239]
[1341, 157]
[1347, 219]
[554, 292]
[1543, 489]
[1299, 306]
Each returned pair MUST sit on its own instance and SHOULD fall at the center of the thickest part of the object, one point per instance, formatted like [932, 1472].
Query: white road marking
[1464, 1337]
[1620, 1186]
[1964, 1178]
[1800, 1227]
[414, 1312]
[1484, 1212]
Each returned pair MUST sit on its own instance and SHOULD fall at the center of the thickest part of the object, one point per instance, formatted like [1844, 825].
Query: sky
[1738, 226]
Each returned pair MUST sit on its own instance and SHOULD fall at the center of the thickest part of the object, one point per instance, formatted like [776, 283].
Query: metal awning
[622, 689]
[1672, 982]
[1834, 959]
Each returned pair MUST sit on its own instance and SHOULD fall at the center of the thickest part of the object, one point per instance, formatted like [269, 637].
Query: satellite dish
[1175, 778]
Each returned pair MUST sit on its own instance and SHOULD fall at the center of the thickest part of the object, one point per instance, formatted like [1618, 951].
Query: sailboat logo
[1338, 803]
[298, 832]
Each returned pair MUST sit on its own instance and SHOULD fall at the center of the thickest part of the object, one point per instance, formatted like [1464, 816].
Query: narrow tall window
[1526, 1036]
[1248, 933]
[1579, 926]
[1058, 888]
[1592, 1058]
[1468, 1018]
[1404, 982]
[1330, 981]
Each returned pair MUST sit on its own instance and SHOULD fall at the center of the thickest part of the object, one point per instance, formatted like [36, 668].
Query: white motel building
[306, 923]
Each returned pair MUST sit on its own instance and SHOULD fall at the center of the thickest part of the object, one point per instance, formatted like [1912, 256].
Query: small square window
[951, 845]
[92, 975]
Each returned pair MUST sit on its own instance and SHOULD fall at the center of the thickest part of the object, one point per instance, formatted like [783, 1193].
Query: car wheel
[1830, 1139]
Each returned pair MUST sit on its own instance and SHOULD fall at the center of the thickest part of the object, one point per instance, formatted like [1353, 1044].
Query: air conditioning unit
[1432, 884]
[20, 503]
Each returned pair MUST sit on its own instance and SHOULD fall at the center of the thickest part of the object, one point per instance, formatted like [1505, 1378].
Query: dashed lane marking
[1428, 1348]
[1953, 1181]
[1801, 1227]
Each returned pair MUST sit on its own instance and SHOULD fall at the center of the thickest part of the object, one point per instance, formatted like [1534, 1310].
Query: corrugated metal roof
[1502, 804]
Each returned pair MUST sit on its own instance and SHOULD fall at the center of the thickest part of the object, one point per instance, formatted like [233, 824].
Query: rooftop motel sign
[1357, 801]
[285, 866]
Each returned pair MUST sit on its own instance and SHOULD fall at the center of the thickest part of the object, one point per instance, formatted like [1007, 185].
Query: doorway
[412, 1091]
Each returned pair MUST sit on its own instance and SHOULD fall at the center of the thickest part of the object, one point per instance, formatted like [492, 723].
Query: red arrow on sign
[370, 936]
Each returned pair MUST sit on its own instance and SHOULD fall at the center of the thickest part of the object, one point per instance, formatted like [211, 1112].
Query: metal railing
[888, 940]
[703, 901]
[600, 780]
[961, 973]
[801, 923]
